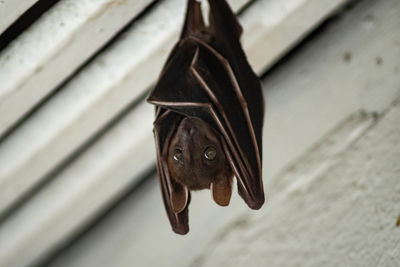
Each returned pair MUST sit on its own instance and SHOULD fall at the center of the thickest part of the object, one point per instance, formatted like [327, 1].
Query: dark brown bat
[209, 116]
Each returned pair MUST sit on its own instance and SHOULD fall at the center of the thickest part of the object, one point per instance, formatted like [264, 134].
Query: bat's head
[196, 159]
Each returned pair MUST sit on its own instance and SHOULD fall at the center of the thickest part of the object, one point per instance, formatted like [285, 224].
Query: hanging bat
[209, 110]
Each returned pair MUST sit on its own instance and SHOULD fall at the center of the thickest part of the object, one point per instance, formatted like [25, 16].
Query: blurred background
[77, 160]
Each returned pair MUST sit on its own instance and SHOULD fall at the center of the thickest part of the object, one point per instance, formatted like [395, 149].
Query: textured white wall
[345, 215]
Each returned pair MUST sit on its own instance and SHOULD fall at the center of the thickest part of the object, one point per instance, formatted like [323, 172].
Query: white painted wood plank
[11, 10]
[113, 80]
[77, 194]
[61, 40]
[285, 23]
[314, 91]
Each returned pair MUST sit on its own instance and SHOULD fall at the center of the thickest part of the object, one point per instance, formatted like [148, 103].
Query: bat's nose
[188, 126]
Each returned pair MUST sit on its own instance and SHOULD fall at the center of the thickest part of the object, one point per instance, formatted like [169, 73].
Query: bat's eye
[178, 155]
[210, 153]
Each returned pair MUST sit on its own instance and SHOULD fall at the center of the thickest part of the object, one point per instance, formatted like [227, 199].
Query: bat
[209, 113]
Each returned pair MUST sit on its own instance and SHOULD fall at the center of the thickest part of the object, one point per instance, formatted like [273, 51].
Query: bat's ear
[223, 22]
[194, 19]
[179, 197]
[221, 190]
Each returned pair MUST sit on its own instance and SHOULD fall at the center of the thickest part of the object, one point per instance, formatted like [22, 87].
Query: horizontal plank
[11, 10]
[78, 193]
[25, 162]
[78, 29]
[286, 23]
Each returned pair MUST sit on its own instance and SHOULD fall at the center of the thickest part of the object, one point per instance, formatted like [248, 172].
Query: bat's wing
[226, 32]
[199, 82]
[176, 197]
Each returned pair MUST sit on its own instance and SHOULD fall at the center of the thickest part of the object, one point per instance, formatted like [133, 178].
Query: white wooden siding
[60, 41]
[11, 10]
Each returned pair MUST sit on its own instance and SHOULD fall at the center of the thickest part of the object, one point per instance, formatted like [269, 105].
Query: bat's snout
[189, 126]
